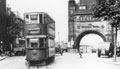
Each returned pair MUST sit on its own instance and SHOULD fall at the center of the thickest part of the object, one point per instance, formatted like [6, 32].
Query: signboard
[86, 18]
[34, 32]
[91, 25]
[101, 26]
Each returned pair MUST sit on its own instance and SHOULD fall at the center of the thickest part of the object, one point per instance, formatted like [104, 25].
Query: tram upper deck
[39, 23]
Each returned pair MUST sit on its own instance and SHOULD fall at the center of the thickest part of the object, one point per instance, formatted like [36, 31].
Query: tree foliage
[108, 9]
[13, 28]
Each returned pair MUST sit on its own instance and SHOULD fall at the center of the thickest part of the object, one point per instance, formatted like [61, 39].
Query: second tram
[39, 34]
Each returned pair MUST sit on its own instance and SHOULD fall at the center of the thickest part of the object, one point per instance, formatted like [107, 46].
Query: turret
[71, 6]
[71, 10]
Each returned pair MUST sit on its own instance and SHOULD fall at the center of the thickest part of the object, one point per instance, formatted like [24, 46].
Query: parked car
[118, 51]
[106, 48]
[94, 50]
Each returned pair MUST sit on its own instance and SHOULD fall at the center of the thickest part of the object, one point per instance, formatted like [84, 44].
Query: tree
[12, 27]
[109, 10]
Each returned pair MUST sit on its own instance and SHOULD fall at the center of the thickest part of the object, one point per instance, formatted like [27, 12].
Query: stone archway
[77, 42]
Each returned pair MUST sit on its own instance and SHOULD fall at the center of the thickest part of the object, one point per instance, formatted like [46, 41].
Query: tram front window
[34, 43]
[37, 43]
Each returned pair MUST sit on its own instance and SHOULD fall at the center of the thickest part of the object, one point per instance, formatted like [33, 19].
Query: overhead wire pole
[116, 26]
[115, 43]
[112, 34]
[73, 32]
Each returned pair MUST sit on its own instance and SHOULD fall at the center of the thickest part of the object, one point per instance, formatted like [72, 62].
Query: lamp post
[115, 42]
[115, 24]
[114, 38]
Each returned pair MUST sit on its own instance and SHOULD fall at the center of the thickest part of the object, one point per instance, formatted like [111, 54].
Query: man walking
[80, 53]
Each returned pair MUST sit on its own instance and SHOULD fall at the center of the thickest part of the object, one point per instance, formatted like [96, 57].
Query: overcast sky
[57, 9]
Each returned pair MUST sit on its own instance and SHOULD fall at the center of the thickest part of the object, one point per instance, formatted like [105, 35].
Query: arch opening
[79, 38]
[89, 43]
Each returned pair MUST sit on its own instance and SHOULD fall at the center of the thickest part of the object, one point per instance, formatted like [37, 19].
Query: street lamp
[114, 27]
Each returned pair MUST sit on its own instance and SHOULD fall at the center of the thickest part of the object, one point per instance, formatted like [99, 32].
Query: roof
[71, 0]
[35, 13]
[88, 4]
[29, 13]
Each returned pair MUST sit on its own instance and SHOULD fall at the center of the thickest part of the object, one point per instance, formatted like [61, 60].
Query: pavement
[112, 61]
[2, 57]
[106, 59]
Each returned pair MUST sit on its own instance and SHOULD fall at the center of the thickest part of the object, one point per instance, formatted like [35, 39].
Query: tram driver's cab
[32, 43]
[35, 43]
[35, 47]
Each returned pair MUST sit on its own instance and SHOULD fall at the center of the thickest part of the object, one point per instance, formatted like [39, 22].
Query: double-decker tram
[39, 34]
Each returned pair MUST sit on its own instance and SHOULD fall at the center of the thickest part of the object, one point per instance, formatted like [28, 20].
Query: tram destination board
[42, 29]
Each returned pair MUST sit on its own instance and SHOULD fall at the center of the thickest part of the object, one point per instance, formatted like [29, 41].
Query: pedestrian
[111, 50]
[80, 53]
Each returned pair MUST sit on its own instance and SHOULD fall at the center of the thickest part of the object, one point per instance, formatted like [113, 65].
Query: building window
[71, 11]
[84, 18]
[82, 7]
[27, 16]
[88, 18]
[78, 27]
